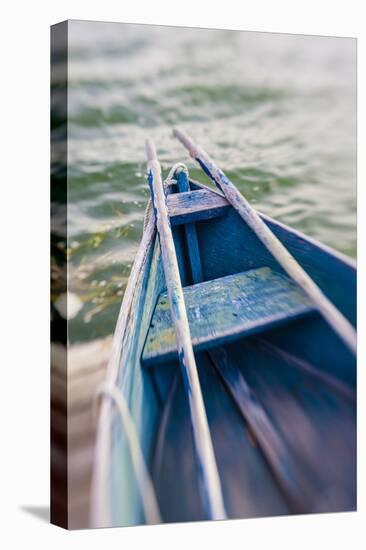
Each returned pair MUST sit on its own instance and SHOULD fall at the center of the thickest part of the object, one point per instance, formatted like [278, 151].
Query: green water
[277, 112]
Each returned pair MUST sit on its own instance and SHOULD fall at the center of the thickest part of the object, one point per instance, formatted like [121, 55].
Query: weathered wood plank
[230, 238]
[192, 206]
[225, 309]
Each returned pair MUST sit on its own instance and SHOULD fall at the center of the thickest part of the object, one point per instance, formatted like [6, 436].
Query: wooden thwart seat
[193, 206]
[225, 309]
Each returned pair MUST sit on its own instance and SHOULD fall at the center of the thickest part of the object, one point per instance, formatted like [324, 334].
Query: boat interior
[278, 384]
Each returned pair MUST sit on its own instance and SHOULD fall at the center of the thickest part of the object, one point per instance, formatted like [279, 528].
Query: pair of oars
[210, 481]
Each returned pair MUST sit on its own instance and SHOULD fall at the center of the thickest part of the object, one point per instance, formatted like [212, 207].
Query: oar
[209, 476]
[331, 314]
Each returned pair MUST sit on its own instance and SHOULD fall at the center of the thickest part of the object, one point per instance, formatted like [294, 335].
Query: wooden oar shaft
[209, 477]
[331, 314]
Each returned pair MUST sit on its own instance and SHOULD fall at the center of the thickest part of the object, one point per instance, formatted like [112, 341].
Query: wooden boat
[278, 383]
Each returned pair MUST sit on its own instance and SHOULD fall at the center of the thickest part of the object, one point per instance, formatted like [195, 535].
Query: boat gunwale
[98, 515]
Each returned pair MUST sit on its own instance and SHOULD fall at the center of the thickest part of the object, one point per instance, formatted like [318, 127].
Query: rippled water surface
[277, 112]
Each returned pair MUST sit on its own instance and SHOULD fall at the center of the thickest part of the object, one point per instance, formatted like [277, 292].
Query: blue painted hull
[301, 375]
